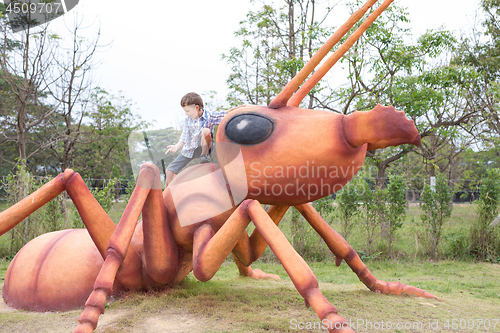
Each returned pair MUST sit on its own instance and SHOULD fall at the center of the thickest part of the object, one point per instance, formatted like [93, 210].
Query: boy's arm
[182, 140]
[215, 119]
[174, 148]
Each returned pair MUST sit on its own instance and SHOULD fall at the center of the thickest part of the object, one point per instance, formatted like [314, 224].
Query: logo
[25, 14]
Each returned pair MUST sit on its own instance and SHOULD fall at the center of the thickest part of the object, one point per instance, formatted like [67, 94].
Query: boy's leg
[206, 140]
[176, 166]
[170, 176]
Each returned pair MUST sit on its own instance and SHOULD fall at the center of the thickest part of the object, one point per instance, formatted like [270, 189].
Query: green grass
[411, 240]
[115, 213]
[229, 303]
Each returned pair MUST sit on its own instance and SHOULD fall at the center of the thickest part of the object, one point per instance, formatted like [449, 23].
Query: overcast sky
[163, 49]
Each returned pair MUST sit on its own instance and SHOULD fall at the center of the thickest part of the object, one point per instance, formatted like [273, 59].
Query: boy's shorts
[181, 161]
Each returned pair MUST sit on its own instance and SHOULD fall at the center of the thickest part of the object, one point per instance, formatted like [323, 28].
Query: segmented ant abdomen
[53, 272]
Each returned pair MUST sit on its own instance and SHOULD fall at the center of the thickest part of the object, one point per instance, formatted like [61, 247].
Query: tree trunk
[291, 35]
[22, 136]
[379, 182]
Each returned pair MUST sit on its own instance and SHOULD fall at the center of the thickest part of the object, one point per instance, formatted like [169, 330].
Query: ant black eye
[249, 128]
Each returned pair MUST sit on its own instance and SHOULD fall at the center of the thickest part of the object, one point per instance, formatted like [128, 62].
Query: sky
[157, 53]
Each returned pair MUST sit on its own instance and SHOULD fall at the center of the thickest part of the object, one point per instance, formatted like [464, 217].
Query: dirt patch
[170, 321]
[114, 320]
[4, 308]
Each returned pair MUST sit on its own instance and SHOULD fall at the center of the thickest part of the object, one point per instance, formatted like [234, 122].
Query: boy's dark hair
[192, 98]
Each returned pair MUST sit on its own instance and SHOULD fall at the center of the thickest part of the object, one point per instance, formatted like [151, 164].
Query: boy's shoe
[204, 159]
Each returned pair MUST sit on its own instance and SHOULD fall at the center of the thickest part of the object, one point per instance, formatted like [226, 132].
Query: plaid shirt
[192, 130]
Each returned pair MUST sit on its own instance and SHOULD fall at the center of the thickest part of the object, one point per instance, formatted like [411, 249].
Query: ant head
[288, 155]
[284, 146]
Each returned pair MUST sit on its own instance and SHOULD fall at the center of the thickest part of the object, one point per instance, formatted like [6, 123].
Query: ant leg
[210, 251]
[98, 224]
[380, 127]
[300, 273]
[249, 249]
[254, 273]
[144, 198]
[160, 250]
[342, 250]
[25, 288]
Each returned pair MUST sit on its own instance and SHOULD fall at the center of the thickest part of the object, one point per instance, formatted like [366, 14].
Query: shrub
[395, 211]
[46, 219]
[436, 208]
[458, 245]
[484, 238]
[373, 206]
[347, 209]
[305, 239]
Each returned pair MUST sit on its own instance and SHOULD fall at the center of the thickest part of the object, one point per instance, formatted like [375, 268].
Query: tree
[102, 150]
[149, 146]
[436, 208]
[396, 207]
[447, 117]
[48, 86]
[485, 240]
[46, 219]
[348, 209]
[8, 152]
[277, 42]
[373, 205]
[480, 50]
[386, 67]
[25, 62]
[74, 65]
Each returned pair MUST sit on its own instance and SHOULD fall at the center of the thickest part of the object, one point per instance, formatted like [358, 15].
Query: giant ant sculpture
[192, 227]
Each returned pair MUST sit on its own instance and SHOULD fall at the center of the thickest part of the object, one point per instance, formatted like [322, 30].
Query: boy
[196, 135]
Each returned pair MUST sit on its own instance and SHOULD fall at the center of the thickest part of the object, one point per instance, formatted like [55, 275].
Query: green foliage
[298, 231]
[324, 206]
[46, 219]
[436, 208]
[276, 43]
[489, 201]
[490, 52]
[158, 140]
[389, 66]
[105, 197]
[373, 205]
[483, 56]
[485, 239]
[3, 11]
[458, 245]
[102, 151]
[130, 189]
[367, 257]
[395, 211]
[347, 209]
[304, 239]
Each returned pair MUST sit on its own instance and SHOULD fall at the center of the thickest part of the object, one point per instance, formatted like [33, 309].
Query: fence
[464, 190]
[122, 184]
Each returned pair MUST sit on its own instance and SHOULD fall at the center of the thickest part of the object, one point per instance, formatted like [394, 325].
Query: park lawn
[411, 241]
[228, 303]
[468, 292]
